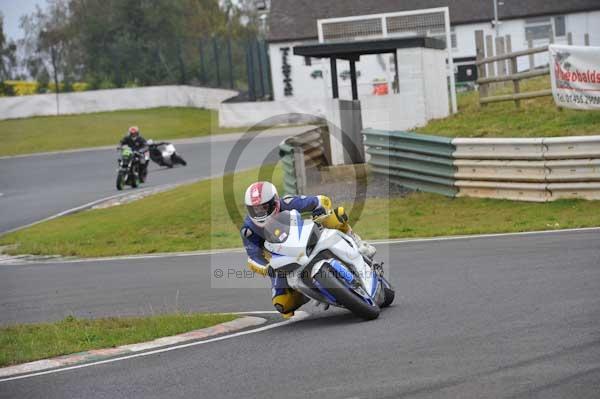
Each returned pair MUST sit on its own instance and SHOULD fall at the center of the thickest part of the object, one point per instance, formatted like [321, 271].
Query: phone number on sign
[578, 99]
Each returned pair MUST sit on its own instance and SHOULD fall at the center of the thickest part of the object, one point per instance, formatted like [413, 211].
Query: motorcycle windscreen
[277, 229]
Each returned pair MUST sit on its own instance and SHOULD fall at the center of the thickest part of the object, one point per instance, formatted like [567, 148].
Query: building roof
[291, 20]
[353, 50]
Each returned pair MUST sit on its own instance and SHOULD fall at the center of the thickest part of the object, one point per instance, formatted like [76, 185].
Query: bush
[6, 89]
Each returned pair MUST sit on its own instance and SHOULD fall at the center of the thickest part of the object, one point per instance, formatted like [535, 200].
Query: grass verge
[430, 215]
[195, 217]
[535, 118]
[27, 342]
[55, 133]
[191, 217]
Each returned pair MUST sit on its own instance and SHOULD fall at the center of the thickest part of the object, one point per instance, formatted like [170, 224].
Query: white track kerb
[165, 345]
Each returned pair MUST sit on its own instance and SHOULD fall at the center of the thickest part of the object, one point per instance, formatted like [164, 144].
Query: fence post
[202, 66]
[586, 39]
[250, 70]
[479, 46]
[489, 52]
[260, 68]
[501, 65]
[531, 59]
[216, 53]
[570, 39]
[182, 74]
[230, 62]
[513, 69]
[268, 70]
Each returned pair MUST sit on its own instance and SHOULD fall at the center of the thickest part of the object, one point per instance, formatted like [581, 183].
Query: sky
[12, 11]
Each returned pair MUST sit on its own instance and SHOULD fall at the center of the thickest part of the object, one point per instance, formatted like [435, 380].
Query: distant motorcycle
[165, 154]
[133, 167]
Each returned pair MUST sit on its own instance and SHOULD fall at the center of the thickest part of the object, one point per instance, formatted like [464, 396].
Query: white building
[294, 22]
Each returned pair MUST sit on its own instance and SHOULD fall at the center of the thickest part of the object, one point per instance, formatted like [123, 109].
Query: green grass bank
[195, 217]
[28, 342]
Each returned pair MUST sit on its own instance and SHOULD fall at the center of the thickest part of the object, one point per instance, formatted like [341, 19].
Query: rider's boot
[364, 247]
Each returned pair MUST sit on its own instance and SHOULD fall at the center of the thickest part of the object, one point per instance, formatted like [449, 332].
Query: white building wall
[306, 82]
[381, 67]
[577, 23]
[303, 84]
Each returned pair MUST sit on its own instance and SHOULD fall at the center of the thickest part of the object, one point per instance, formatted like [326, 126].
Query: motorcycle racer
[262, 201]
[133, 139]
[136, 142]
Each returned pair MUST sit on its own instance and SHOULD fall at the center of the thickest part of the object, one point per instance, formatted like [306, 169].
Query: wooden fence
[502, 67]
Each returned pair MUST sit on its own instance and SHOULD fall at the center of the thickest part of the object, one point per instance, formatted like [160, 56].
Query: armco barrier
[543, 169]
[530, 149]
[540, 169]
[572, 147]
[416, 161]
[301, 155]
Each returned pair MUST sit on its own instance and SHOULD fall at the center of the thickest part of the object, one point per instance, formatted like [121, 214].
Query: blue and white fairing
[294, 243]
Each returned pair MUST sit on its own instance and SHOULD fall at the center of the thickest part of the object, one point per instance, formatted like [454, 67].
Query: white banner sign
[575, 76]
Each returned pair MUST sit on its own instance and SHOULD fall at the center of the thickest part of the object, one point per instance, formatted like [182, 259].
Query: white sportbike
[325, 265]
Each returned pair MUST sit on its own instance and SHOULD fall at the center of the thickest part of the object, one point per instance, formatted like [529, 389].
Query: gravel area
[346, 190]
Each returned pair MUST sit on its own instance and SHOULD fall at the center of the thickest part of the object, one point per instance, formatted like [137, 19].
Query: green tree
[8, 50]
[139, 42]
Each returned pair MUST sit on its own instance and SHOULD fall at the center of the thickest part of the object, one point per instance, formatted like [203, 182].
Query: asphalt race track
[494, 317]
[36, 187]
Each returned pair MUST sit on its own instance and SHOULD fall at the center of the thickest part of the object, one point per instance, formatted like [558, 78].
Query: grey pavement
[496, 317]
[39, 186]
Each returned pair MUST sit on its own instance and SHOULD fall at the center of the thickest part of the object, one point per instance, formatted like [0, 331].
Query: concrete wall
[112, 100]
[270, 112]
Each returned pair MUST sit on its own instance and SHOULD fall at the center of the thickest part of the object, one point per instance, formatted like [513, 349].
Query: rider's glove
[324, 207]
[341, 215]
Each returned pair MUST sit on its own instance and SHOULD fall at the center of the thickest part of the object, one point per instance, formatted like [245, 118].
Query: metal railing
[417, 161]
[527, 169]
[302, 156]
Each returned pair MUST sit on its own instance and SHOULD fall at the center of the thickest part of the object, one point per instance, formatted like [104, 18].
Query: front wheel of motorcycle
[120, 181]
[134, 181]
[390, 294]
[344, 295]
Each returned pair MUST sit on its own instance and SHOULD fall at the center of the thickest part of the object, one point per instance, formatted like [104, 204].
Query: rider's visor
[262, 211]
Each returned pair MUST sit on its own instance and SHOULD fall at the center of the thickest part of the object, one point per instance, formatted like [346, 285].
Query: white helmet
[261, 201]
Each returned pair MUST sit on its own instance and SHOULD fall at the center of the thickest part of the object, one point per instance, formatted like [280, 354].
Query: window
[541, 28]
[560, 28]
[441, 34]
[453, 37]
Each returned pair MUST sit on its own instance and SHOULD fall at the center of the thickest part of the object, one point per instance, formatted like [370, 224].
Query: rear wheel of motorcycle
[177, 159]
[351, 301]
[134, 181]
[120, 179]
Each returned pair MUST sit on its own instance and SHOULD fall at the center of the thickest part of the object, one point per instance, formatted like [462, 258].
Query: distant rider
[263, 202]
[136, 142]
